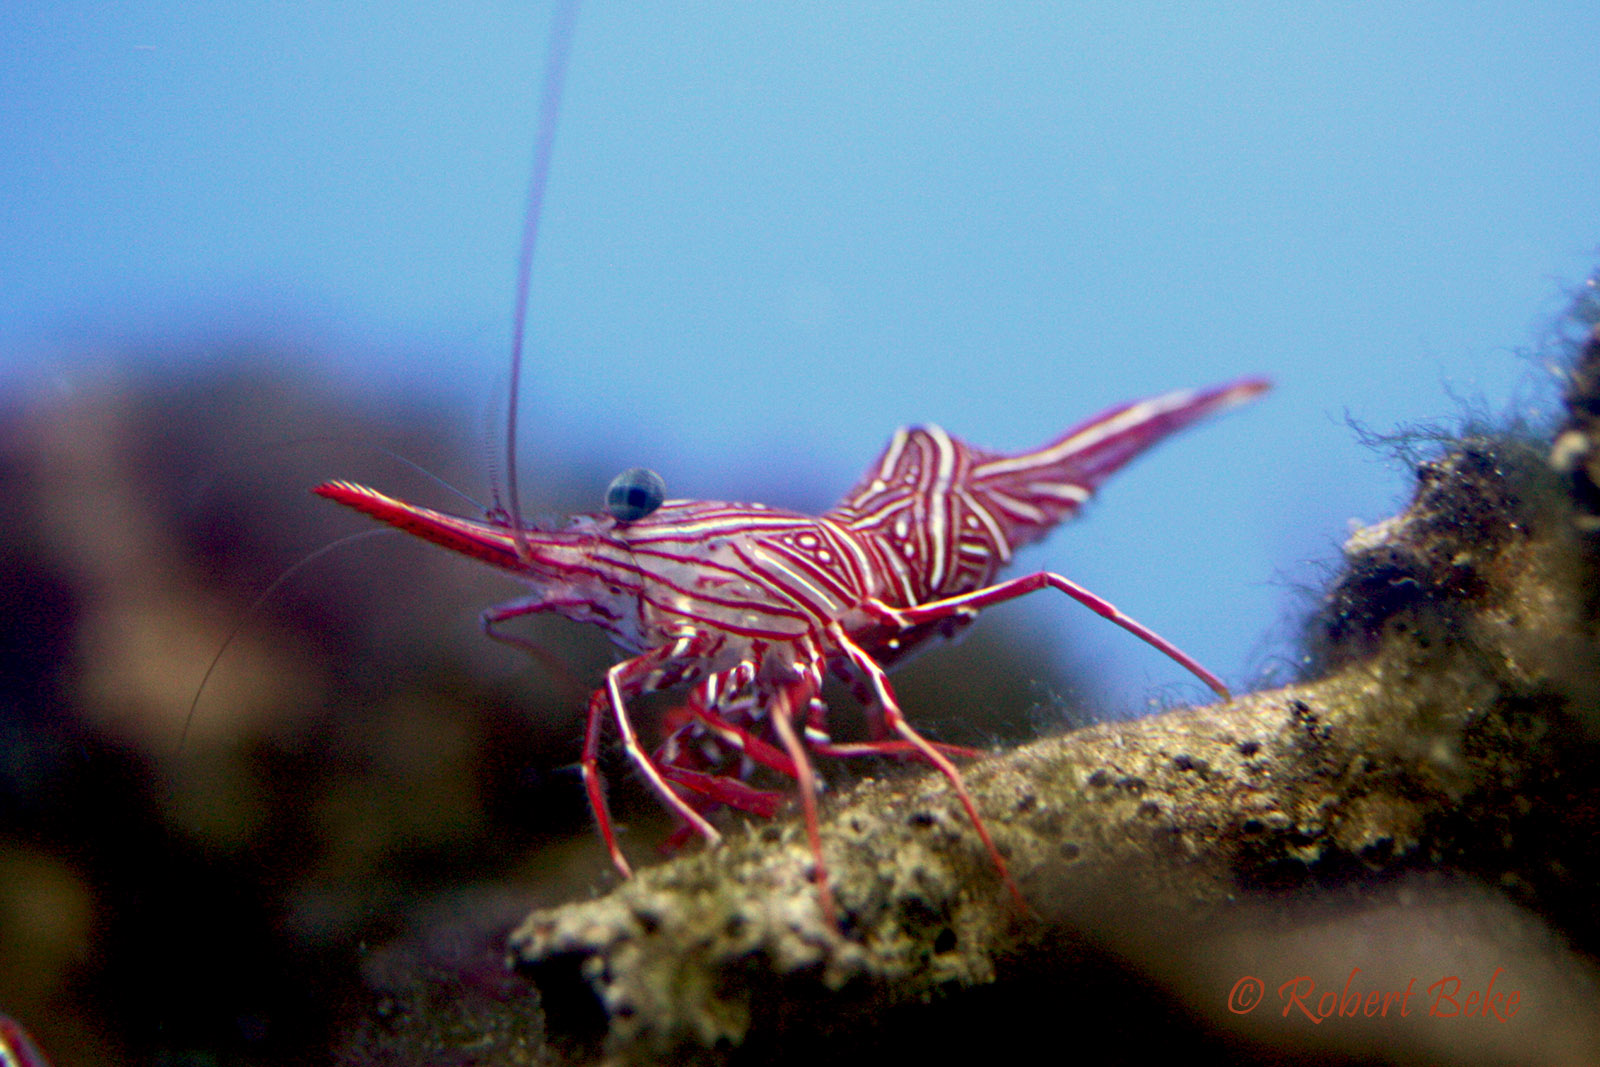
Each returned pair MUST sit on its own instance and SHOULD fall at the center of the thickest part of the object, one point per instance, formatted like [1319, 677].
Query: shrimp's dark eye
[635, 493]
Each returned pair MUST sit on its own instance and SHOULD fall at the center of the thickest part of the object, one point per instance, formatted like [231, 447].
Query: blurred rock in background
[203, 875]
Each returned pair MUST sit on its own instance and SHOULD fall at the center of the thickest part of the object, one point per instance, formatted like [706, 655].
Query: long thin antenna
[251, 612]
[555, 70]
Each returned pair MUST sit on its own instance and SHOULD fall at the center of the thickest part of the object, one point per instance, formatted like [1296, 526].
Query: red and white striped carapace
[751, 606]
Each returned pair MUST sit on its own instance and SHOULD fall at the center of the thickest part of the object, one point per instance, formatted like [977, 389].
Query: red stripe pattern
[752, 606]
